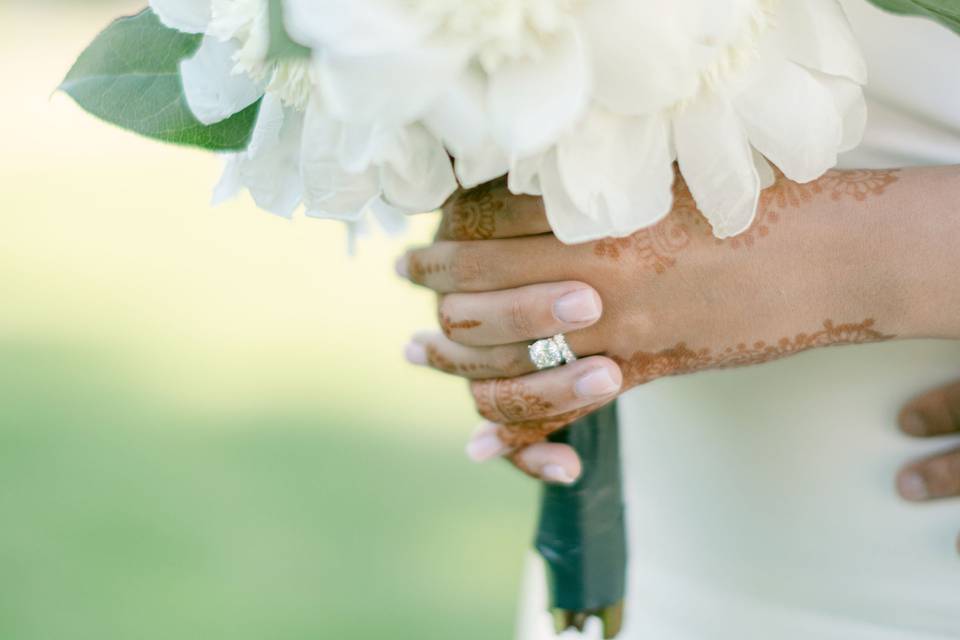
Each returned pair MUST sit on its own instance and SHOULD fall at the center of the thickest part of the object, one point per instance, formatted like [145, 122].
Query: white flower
[298, 154]
[589, 102]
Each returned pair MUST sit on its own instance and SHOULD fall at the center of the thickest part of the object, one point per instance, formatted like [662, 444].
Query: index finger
[491, 211]
[488, 265]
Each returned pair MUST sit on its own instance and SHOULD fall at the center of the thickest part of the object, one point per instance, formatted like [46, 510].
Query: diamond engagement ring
[551, 352]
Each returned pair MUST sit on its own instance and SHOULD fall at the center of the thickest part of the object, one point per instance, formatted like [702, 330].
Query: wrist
[914, 254]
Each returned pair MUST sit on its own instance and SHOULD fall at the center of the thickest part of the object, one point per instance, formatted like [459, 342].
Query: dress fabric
[761, 501]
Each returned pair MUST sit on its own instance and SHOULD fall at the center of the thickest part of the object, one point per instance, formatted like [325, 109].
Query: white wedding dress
[761, 501]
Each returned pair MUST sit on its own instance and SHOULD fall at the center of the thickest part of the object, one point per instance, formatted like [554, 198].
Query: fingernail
[596, 384]
[485, 446]
[401, 266]
[416, 353]
[913, 486]
[913, 423]
[576, 307]
[556, 473]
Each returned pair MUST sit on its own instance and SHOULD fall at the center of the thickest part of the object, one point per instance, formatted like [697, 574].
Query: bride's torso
[761, 501]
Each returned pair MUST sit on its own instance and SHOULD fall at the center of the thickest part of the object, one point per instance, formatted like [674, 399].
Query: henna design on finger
[449, 326]
[506, 400]
[419, 270]
[525, 433]
[439, 361]
[473, 214]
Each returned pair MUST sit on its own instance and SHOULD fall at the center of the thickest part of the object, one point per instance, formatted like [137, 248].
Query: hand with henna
[854, 257]
[935, 414]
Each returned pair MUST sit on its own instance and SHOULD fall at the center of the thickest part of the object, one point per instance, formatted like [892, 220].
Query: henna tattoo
[785, 194]
[449, 326]
[860, 184]
[473, 214]
[527, 432]
[419, 270]
[439, 361]
[645, 366]
[782, 194]
[507, 400]
[656, 246]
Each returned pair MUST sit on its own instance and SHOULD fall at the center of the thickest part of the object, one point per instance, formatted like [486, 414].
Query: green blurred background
[206, 426]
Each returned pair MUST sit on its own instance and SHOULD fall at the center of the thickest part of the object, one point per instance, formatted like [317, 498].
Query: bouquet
[351, 109]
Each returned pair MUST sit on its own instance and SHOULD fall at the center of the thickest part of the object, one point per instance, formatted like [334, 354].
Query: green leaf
[130, 77]
[946, 12]
[281, 44]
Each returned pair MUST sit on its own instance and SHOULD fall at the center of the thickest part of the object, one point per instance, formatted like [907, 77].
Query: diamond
[545, 354]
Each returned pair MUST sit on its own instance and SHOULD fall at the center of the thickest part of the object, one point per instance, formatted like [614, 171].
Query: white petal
[524, 176]
[394, 89]
[188, 16]
[357, 146]
[717, 162]
[459, 116]
[851, 107]
[329, 190]
[483, 165]
[791, 119]
[817, 34]
[391, 219]
[569, 224]
[618, 170]
[533, 102]
[642, 61]
[417, 175]
[764, 170]
[230, 183]
[270, 119]
[355, 27]
[272, 175]
[213, 91]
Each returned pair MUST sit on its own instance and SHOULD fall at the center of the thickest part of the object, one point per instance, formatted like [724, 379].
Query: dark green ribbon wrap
[582, 533]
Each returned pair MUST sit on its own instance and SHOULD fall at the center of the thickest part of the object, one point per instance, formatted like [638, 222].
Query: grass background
[206, 427]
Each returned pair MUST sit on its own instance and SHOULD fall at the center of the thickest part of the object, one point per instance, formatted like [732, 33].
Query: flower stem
[582, 534]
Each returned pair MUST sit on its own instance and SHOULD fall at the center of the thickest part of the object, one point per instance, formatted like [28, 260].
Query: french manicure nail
[913, 486]
[913, 423]
[485, 446]
[401, 266]
[579, 306]
[556, 473]
[596, 384]
[416, 353]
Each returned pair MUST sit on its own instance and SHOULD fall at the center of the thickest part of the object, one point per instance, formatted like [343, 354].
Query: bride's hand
[932, 415]
[665, 301]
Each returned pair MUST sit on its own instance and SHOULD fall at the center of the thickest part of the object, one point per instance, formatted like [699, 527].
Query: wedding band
[565, 350]
[551, 352]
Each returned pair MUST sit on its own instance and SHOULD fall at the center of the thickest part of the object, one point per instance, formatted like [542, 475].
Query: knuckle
[517, 320]
[483, 397]
[465, 265]
[444, 307]
[509, 362]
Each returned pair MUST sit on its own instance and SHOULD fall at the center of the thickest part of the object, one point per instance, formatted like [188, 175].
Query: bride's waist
[778, 482]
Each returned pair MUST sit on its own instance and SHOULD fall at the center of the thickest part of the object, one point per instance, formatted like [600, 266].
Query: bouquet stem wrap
[582, 533]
